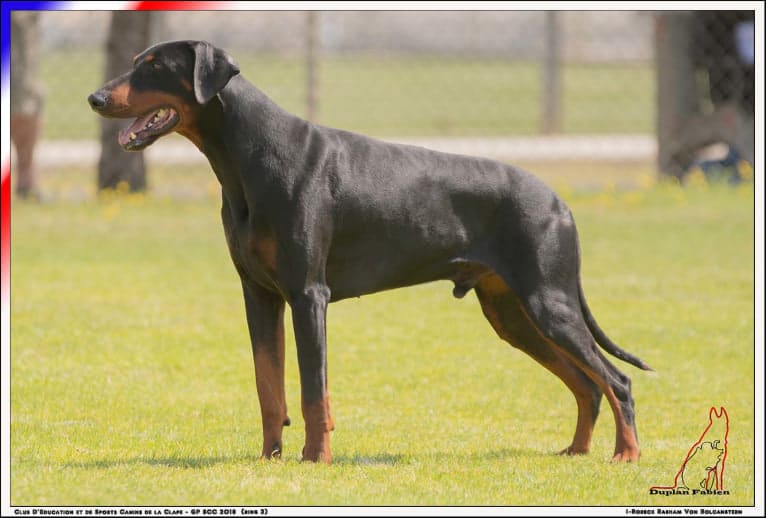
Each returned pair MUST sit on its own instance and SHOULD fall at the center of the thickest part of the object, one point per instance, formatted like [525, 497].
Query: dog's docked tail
[604, 341]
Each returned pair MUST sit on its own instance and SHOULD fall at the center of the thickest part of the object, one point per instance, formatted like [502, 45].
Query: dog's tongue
[131, 131]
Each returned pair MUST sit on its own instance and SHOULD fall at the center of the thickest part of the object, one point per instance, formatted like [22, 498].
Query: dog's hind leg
[550, 296]
[561, 323]
[507, 316]
[542, 266]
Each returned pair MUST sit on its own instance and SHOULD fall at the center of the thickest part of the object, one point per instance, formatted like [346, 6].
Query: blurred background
[583, 98]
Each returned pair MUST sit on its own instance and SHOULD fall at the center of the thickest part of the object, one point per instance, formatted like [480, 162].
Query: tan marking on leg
[318, 426]
[489, 290]
[572, 378]
[493, 285]
[626, 443]
[269, 379]
[563, 367]
[265, 248]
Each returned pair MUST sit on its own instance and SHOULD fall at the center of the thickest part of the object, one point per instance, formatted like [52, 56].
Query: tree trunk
[677, 99]
[129, 34]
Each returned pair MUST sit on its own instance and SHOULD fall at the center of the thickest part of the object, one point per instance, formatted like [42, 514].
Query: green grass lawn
[398, 95]
[132, 382]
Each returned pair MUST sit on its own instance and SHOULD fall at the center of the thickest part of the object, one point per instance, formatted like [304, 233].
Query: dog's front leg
[265, 319]
[309, 315]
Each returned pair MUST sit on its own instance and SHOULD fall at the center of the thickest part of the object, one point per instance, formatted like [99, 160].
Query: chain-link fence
[597, 81]
[705, 70]
[400, 73]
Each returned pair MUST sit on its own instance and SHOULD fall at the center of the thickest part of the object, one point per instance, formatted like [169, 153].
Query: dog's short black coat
[314, 215]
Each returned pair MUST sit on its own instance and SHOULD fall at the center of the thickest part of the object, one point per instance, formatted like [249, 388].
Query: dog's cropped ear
[212, 70]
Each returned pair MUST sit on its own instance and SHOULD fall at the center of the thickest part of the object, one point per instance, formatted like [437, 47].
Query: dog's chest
[253, 252]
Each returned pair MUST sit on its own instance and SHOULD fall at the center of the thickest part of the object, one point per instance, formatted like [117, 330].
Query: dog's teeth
[132, 136]
[161, 112]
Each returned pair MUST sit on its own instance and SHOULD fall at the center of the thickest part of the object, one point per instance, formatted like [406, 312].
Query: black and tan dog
[314, 214]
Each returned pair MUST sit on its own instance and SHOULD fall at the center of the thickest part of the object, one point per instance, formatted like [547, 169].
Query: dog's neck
[241, 117]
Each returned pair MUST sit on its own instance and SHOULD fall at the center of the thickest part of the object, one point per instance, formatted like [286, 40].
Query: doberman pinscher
[314, 215]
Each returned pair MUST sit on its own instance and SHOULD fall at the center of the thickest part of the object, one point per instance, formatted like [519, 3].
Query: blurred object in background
[26, 99]
[705, 94]
[129, 34]
[720, 163]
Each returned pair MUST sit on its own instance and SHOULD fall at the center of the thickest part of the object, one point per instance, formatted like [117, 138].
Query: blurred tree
[26, 98]
[129, 34]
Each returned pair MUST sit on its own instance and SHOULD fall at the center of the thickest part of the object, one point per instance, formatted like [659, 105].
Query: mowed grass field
[132, 380]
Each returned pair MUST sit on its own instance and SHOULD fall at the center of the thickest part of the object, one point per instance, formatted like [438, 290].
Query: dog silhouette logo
[702, 471]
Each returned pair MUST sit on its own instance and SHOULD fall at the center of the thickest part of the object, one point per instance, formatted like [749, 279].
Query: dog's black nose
[97, 100]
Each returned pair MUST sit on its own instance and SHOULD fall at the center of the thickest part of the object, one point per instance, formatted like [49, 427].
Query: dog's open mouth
[148, 128]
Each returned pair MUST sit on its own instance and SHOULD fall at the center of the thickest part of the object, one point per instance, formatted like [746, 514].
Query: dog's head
[166, 90]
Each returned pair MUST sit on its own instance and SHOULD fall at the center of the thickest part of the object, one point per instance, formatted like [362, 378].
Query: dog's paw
[573, 450]
[627, 455]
